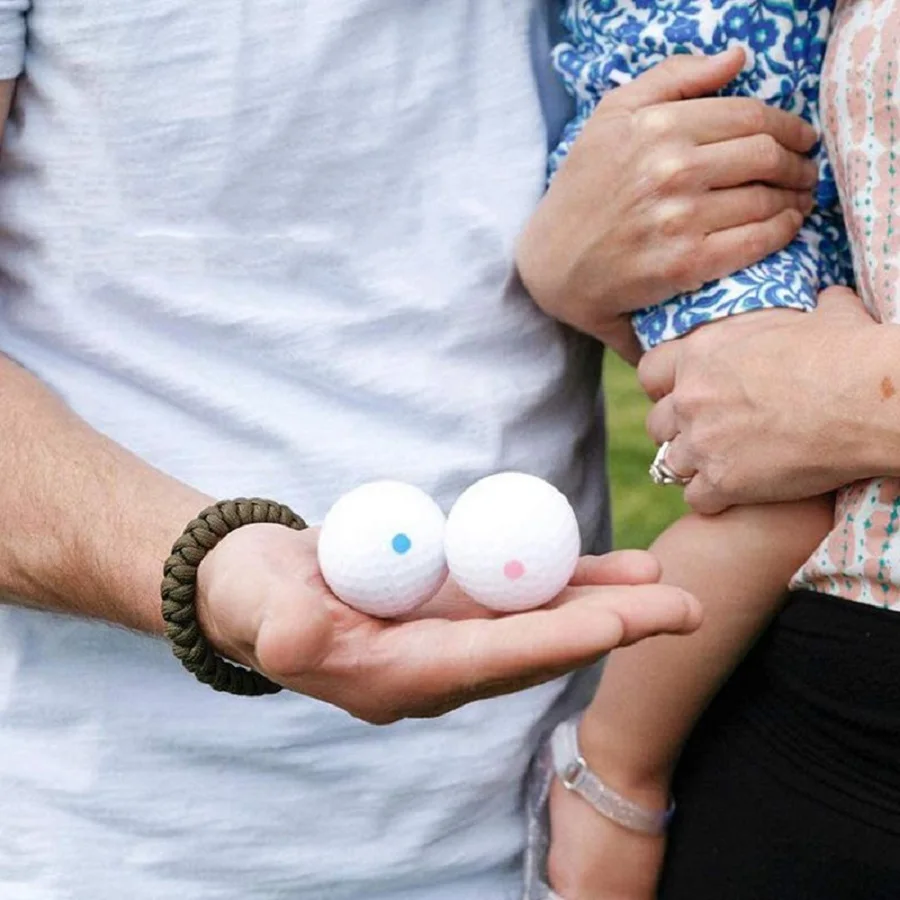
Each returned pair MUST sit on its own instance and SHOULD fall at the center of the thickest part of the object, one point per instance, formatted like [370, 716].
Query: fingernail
[807, 202]
[810, 135]
[694, 610]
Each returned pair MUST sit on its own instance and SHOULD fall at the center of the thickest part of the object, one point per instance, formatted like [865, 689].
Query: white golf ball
[512, 541]
[381, 548]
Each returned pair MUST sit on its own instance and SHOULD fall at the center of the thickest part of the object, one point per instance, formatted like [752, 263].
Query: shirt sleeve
[12, 37]
[818, 257]
[787, 280]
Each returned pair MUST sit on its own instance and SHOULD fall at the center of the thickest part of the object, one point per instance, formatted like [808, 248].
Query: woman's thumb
[681, 77]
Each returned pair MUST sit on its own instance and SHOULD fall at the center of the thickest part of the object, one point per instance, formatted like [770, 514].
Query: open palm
[263, 602]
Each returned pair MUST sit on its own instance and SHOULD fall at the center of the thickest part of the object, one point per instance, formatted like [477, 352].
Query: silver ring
[662, 473]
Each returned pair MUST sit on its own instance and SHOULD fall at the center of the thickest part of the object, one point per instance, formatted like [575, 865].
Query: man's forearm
[86, 524]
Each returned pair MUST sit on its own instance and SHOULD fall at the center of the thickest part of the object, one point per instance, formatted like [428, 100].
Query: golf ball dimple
[381, 548]
[512, 541]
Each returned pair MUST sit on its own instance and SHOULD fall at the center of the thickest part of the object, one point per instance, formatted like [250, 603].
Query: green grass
[641, 510]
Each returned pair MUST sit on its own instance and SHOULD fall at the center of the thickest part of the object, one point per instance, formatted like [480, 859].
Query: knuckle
[680, 407]
[656, 123]
[674, 218]
[674, 63]
[680, 269]
[754, 117]
[700, 440]
[763, 202]
[767, 153]
[675, 270]
[760, 242]
[706, 446]
[646, 372]
[667, 172]
[717, 478]
[687, 402]
[698, 497]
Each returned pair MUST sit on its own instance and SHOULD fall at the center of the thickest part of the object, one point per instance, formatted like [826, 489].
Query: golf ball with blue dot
[381, 548]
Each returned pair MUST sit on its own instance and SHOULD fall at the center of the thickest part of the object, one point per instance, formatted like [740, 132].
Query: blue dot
[401, 543]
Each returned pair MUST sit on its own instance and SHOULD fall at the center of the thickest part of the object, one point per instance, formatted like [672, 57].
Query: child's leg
[738, 564]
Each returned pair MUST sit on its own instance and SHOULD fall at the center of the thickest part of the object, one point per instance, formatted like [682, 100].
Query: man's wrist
[190, 640]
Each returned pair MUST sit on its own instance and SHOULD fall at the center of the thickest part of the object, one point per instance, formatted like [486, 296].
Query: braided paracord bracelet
[179, 590]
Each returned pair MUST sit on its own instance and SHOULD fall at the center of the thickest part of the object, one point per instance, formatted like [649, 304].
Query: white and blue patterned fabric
[609, 42]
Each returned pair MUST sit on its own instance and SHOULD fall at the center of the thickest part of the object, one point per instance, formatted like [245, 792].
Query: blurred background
[641, 510]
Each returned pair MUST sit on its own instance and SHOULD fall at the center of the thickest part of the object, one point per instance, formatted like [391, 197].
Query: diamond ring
[662, 473]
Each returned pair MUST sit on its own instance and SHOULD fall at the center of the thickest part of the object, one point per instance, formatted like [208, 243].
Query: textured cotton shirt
[860, 558]
[268, 246]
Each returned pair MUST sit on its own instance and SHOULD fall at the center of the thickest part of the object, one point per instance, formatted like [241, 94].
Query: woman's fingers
[661, 194]
[733, 207]
[662, 424]
[712, 120]
[733, 249]
[679, 458]
[657, 369]
[757, 158]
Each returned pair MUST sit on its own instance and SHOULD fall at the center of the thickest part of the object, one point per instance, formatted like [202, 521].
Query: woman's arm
[663, 192]
[780, 408]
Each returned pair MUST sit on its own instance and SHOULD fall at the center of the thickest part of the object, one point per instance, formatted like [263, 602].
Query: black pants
[790, 787]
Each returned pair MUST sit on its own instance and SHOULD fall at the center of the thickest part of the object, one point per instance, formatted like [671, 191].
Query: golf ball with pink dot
[381, 548]
[512, 541]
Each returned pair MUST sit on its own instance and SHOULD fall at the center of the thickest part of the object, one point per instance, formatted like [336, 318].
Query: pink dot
[514, 570]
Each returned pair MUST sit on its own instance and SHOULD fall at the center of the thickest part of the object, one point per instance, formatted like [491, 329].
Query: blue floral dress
[611, 41]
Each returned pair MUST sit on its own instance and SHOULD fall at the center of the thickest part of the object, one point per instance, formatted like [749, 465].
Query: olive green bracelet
[179, 591]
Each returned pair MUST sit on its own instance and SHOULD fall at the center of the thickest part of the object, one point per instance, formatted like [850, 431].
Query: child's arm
[738, 565]
[651, 694]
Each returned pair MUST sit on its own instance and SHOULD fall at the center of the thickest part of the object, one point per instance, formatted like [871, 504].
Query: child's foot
[593, 858]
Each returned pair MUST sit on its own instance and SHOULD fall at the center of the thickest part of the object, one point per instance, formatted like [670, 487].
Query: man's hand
[262, 601]
[775, 405]
[662, 193]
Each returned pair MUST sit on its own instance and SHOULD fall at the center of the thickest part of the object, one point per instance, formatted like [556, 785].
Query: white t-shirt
[268, 246]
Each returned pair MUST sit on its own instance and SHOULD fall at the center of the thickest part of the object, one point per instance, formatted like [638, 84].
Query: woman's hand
[262, 601]
[778, 405]
[662, 193]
